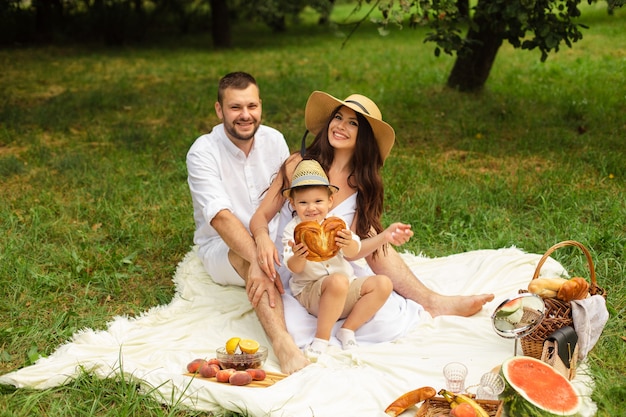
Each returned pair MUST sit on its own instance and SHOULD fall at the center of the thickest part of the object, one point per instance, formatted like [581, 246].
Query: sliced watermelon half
[534, 388]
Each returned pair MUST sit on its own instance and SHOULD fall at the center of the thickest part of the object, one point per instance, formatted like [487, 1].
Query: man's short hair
[239, 80]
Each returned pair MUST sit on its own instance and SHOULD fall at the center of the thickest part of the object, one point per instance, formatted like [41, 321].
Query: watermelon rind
[559, 396]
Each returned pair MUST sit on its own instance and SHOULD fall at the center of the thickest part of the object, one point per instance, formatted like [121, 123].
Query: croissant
[574, 289]
[409, 400]
[319, 238]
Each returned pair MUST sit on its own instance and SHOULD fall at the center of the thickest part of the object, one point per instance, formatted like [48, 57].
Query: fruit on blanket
[194, 365]
[257, 374]
[533, 389]
[232, 344]
[458, 399]
[214, 361]
[463, 410]
[409, 399]
[223, 375]
[546, 287]
[208, 370]
[240, 378]
[248, 346]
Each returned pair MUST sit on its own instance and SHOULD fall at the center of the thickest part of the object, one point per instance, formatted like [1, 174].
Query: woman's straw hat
[309, 172]
[320, 106]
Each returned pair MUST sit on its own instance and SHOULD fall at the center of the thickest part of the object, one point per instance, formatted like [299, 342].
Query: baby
[329, 289]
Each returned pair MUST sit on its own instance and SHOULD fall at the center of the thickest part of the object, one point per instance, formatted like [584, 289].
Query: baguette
[546, 287]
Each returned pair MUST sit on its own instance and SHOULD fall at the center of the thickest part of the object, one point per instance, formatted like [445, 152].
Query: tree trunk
[220, 24]
[472, 67]
[48, 15]
[463, 7]
[325, 16]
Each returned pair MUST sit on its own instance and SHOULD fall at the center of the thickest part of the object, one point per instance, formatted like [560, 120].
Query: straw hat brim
[333, 189]
[320, 106]
[309, 173]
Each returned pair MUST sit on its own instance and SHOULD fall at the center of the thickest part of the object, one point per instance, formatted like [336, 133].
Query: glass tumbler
[491, 386]
[455, 373]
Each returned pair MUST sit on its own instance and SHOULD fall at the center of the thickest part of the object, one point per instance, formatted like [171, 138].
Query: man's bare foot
[290, 358]
[457, 305]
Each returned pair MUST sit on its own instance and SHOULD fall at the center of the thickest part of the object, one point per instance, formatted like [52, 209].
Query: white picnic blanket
[155, 347]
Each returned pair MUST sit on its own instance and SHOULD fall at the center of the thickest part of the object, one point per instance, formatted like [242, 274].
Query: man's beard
[232, 131]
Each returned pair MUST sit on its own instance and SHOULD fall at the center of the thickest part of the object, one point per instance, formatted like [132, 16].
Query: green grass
[96, 213]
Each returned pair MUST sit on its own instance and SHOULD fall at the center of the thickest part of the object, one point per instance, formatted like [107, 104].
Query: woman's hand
[398, 233]
[266, 254]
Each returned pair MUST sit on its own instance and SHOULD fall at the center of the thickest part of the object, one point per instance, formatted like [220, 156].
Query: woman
[351, 143]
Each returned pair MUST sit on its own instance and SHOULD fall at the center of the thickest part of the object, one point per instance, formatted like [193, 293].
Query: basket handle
[569, 243]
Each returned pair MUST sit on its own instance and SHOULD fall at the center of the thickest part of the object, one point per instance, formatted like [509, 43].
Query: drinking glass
[491, 386]
[455, 373]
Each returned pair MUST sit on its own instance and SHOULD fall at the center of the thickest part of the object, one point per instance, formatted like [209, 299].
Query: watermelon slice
[535, 389]
[511, 311]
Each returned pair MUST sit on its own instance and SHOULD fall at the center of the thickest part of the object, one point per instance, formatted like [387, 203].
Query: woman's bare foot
[290, 358]
[457, 305]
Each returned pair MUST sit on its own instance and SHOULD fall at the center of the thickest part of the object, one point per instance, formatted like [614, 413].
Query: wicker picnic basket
[558, 313]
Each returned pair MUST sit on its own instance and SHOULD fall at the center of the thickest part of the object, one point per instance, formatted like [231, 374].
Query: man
[228, 171]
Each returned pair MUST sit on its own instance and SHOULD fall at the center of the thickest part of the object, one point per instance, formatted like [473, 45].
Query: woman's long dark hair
[365, 174]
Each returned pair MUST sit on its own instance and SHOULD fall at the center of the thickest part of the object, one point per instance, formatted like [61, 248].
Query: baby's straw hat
[309, 172]
[320, 106]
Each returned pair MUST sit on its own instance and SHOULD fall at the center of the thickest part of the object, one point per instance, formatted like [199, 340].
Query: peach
[195, 365]
[223, 375]
[208, 370]
[214, 361]
[463, 410]
[256, 374]
[240, 378]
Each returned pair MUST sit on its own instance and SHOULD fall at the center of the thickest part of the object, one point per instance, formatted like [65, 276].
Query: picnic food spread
[237, 363]
[533, 388]
[319, 238]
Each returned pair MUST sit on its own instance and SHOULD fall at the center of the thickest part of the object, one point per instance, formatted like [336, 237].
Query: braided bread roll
[576, 288]
[319, 238]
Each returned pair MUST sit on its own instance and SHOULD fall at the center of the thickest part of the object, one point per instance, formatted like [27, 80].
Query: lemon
[248, 345]
[231, 345]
